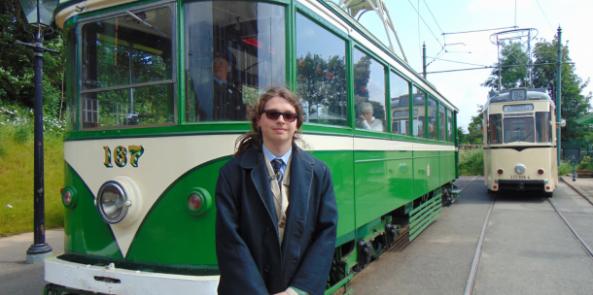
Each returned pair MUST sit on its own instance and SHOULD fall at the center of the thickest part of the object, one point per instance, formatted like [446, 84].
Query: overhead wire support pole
[558, 98]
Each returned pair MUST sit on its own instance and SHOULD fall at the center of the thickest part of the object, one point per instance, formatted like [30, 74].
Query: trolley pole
[558, 94]
[424, 60]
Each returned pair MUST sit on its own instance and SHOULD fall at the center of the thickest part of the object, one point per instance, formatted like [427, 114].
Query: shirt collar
[270, 156]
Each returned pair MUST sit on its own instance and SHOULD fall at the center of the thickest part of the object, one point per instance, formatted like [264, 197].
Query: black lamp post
[39, 15]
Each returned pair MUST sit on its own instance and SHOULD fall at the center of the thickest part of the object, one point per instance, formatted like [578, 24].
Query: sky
[464, 88]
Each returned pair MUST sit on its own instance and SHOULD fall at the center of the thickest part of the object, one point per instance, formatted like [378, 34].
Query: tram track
[583, 243]
[472, 276]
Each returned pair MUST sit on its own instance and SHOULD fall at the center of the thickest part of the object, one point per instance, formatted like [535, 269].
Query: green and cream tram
[158, 93]
[520, 141]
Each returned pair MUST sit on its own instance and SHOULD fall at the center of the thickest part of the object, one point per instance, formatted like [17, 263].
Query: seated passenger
[367, 120]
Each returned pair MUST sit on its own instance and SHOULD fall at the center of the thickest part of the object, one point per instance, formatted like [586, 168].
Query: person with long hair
[276, 210]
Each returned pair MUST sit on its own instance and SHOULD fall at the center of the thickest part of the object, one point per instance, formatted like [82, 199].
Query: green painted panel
[341, 168]
[170, 234]
[382, 183]
[84, 230]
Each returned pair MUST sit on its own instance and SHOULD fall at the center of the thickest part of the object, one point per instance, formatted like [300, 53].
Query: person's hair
[366, 107]
[254, 137]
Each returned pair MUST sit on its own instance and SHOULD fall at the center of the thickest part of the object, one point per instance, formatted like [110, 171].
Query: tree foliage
[512, 68]
[16, 61]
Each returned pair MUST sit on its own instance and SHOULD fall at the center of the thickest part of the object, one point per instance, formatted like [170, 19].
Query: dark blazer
[250, 257]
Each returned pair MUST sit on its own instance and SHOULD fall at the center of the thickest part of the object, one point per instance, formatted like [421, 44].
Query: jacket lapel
[255, 161]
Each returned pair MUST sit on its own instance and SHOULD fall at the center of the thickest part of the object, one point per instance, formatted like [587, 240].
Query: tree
[16, 61]
[513, 68]
[474, 128]
[574, 104]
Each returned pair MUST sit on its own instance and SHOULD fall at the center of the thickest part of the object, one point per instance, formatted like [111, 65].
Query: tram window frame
[418, 118]
[404, 127]
[431, 118]
[342, 120]
[360, 104]
[131, 119]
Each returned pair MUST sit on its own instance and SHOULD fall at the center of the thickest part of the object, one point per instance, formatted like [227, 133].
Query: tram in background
[520, 141]
[151, 127]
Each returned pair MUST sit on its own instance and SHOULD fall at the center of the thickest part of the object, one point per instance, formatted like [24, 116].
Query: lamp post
[39, 15]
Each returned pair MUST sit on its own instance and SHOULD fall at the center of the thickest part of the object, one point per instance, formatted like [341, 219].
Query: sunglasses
[275, 115]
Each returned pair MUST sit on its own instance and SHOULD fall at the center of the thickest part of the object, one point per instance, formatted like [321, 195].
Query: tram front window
[494, 129]
[543, 127]
[127, 70]
[518, 129]
[234, 51]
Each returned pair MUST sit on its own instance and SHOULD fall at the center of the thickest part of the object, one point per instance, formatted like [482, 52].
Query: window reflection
[369, 92]
[127, 69]
[234, 51]
[518, 129]
[442, 120]
[321, 73]
[400, 101]
[544, 128]
[432, 118]
[418, 115]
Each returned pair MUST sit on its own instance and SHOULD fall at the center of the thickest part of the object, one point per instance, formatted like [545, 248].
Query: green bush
[564, 169]
[471, 162]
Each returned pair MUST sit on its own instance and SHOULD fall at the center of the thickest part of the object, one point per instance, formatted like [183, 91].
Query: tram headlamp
[519, 168]
[113, 202]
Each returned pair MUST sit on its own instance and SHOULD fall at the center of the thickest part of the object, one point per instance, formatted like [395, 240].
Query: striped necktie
[277, 165]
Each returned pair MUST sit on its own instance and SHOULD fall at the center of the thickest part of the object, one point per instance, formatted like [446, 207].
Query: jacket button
[267, 268]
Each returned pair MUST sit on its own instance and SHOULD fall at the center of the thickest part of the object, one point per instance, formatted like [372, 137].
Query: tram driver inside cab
[221, 99]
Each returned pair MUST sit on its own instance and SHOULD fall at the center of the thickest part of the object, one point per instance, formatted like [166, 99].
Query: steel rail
[571, 228]
[469, 285]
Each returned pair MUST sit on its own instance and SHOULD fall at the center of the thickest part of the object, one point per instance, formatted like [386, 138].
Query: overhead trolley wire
[426, 24]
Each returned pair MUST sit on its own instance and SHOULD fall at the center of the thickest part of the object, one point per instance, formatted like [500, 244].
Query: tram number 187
[121, 155]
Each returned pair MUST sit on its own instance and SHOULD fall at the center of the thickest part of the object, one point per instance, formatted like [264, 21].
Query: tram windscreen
[234, 51]
[518, 129]
[127, 69]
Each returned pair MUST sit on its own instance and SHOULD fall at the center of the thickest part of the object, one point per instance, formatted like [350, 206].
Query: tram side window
[321, 73]
[518, 129]
[495, 129]
[127, 69]
[369, 92]
[543, 126]
[418, 115]
[449, 125]
[442, 120]
[432, 118]
[234, 50]
[400, 103]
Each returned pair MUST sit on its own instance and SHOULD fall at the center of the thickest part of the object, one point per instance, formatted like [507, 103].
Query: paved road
[527, 249]
[17, 277]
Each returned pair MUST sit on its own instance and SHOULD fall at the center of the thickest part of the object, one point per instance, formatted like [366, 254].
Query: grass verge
[16, 179]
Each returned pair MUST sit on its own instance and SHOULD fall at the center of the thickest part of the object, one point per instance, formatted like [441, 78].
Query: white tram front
[520, 142]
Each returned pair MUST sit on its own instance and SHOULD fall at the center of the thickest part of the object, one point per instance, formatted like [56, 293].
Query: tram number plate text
[519, 177]
[122, 155]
